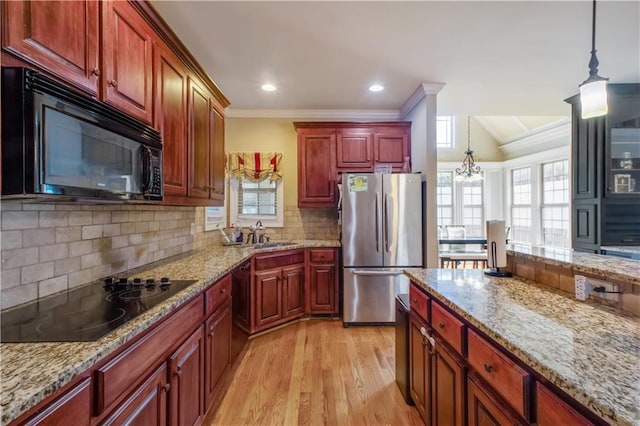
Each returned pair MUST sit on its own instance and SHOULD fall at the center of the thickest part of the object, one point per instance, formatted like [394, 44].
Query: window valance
[255, 166]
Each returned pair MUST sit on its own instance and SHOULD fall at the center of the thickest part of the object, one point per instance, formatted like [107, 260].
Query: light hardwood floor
[317, 373]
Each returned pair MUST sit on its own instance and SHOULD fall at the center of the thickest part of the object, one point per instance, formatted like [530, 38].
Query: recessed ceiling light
[376, 88]
[268, 87]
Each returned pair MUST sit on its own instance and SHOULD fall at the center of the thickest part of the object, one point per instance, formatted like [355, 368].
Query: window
[444, 132]
[555, 204]
[472, 210]
[460, 204]
[444, 195]
[521, 205]
[253, 201]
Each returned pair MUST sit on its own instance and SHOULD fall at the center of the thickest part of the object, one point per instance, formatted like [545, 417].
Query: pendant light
[468, 172]
[593, 91]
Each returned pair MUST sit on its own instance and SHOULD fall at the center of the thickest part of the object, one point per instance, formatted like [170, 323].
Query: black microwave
[57, 142]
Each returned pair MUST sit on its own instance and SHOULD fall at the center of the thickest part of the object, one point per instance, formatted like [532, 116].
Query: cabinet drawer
[275, 260]
[447, 326]
[116, 376]
[419, 302]
[322, 255]
[507, 379]
[217, 293]
[552, 410]
[72, 408]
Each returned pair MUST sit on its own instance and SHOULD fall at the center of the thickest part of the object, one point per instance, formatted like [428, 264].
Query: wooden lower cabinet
[268, 297]
[485, 410]
[448, 387]
[292, 291]
[420, 364]
[554, 411]
[186, 372]
[278, 290]
[147, 405]
[218, 348]
[72, 408]
[323, 282]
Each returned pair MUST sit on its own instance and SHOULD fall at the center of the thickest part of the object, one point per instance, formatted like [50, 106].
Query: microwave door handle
[147, 168]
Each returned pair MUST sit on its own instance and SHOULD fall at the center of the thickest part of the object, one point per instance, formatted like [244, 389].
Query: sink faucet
[251, 236]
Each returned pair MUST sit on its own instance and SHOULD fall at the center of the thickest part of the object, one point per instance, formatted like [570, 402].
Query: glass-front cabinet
[605, 169]
[624, 158]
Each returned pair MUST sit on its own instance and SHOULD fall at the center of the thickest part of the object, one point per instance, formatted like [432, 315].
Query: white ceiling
[496, 58]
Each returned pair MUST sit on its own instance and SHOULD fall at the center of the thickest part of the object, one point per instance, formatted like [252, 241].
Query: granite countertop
[29, 372]
[589, 351]
[623, 249]
[606, 267]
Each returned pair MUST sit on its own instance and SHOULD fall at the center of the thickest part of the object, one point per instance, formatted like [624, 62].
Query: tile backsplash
[48, 248]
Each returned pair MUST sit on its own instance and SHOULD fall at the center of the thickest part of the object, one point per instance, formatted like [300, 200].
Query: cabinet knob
[113, 83]
[96, 72]
[179, 372]
[488, 367]
[441, 324]
[166, 387]
[223, 290]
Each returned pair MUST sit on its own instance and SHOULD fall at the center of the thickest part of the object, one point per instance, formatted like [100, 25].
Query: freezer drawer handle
[377, 272]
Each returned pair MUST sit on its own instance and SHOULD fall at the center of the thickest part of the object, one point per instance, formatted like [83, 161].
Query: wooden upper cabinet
[392, 146]
[59, 36]
[170, 118]
[199, 141]
[217, 162]
[354, 149]
[127, 60]
[316, 168]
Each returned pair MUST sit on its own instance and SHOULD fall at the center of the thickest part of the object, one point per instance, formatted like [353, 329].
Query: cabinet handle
[223, 290]
[210, 334]
[96, 72]
[423, 331]
[441, 324]
[166, 387]
[414, 301]
[179, 372]
[113, 83]
[488, 367]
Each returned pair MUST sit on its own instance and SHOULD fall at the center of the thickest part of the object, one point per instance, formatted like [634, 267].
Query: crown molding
[316, 114]
[423, 90]
[555, 135]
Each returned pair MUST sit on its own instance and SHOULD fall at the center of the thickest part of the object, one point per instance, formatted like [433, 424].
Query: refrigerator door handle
[386, 223]
[377, 226]
[378, 273]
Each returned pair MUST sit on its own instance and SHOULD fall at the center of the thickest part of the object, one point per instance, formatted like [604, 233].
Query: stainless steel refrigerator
[381, 235]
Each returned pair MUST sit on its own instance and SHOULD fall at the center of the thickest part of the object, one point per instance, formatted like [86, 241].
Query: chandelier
[593, 91]
[468, 172]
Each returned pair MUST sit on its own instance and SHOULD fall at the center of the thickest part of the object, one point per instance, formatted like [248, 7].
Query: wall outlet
[582, 287]
[610, 289]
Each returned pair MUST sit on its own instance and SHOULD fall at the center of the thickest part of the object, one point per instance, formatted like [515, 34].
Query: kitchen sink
[273, 244]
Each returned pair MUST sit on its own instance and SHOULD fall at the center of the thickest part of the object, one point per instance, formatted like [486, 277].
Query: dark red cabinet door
[186, 370]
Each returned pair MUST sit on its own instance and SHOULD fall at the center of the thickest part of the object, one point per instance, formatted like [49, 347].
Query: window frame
[268, 221]
[450, 121]
[551, 205]
[513, 234]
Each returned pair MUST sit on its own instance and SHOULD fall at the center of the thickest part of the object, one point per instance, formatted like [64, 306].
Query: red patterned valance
[255, 166]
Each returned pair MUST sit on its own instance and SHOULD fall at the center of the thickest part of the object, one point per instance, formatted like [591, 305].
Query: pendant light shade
[468, 171]
[593, 91]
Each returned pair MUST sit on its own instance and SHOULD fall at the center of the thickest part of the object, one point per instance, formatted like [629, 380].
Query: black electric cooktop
[87, 313]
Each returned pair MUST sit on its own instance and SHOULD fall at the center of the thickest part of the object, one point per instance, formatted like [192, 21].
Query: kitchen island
[586, 350]
[30, 372]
